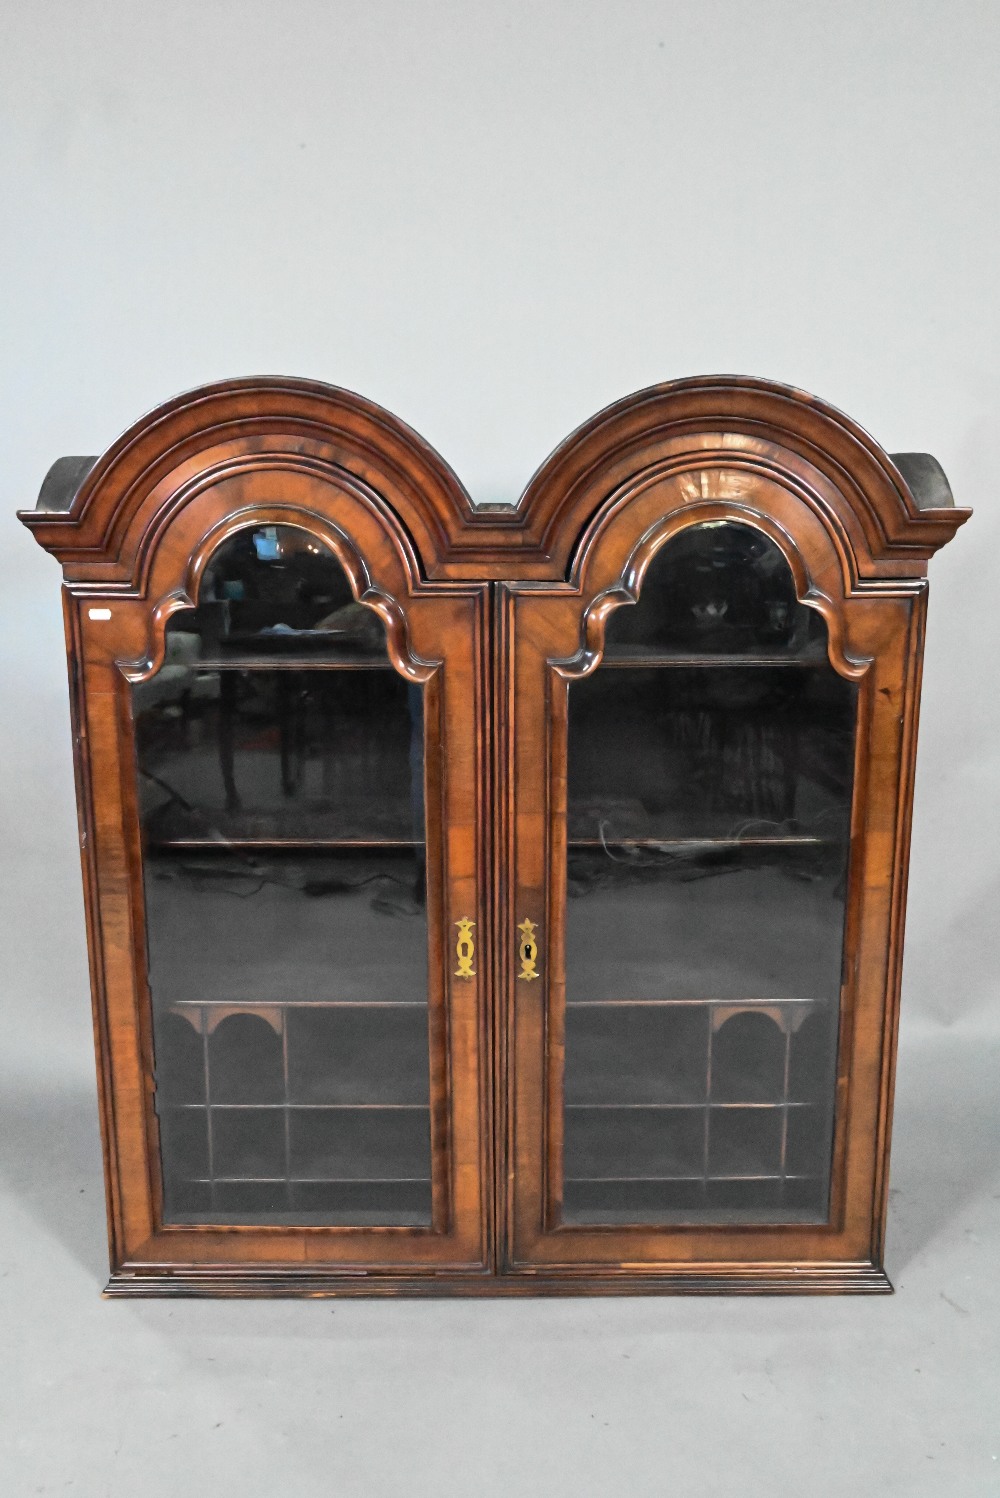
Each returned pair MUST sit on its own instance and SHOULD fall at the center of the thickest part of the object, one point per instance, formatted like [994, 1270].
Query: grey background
[494, 219]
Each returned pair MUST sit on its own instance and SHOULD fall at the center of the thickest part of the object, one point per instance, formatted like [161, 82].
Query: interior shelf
[312, 1107]
[268, 1003]
[660, 658]
[315, 662]
[701, 1179]
[726, 1003]
[310, 1180]
[778, 840]
[221, 844]
[671, 1107]
[221, 841]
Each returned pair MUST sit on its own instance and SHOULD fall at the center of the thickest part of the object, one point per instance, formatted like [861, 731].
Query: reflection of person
[232, 570]
[739, 588]
[717, 587]
[415, 703]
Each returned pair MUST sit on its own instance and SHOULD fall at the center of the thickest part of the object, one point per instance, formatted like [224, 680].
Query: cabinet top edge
[901, 508]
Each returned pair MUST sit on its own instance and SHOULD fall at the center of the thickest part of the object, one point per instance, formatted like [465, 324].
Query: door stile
[911, 674]
[442, 1124]
[87, 824]
[530, 910]
[500, 723]
[489, 782]
[556, 757]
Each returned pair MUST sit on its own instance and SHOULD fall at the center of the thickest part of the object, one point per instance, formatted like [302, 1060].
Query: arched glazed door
[282, 816]
[694, 725]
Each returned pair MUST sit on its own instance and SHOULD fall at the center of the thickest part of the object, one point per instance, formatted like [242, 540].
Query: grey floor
[619, 1397]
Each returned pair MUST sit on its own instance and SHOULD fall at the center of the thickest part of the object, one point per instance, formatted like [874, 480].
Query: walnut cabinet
[501, 899]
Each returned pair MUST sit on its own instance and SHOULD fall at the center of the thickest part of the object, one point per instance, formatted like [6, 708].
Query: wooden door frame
[551, 633]
[133, 556]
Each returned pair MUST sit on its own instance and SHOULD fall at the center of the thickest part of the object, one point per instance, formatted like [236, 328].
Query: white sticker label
[99, 613]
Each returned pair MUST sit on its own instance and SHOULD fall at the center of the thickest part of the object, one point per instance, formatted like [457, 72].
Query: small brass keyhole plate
[527, 950]
[465, 949]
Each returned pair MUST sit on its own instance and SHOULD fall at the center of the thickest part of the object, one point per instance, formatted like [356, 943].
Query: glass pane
[275, 591]
[262, 755]
[282, 812]
[717, 589]
[710, 779]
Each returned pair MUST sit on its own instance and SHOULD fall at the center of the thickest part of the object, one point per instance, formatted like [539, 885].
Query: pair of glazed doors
[515, 908]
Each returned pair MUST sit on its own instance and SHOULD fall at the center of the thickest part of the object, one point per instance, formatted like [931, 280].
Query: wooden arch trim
[811, 574]
[103, 528]
[364, 589]
[100, 529]
[769, 430]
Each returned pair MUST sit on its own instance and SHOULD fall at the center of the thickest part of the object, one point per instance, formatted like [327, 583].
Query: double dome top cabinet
[502, 899]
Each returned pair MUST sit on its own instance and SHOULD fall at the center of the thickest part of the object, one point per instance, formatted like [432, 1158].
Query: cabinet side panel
[910, 716]
[117, 897]
[88, 869]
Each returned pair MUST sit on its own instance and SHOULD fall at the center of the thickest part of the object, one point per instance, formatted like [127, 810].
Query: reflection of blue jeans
[415, 702]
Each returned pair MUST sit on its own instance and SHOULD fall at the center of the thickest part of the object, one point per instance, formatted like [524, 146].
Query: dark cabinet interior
[710, 766]
[280, 767]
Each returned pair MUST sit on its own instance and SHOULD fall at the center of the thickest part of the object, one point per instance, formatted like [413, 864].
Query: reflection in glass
[280, 766]
[265, 755]
[717, 589]
[709, 792]
[277, 591]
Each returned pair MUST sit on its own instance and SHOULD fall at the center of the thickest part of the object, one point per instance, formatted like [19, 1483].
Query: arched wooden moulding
[885, 516]
[892, 515]
[100, 517]
[310, 522]
[610, 564]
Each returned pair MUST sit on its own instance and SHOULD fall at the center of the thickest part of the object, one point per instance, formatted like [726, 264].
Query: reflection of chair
[290, 713]
[176, 683]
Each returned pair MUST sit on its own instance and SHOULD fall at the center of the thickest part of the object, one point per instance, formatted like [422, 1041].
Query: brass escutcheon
[527, 950]
[465, 949]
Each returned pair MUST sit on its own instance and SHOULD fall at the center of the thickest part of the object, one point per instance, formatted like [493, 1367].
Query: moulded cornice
[700, 426]
[707, 423]
[210, 434]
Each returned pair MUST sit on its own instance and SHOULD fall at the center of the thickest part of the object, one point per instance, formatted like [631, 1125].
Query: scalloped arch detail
[627, 590]
[364, 589]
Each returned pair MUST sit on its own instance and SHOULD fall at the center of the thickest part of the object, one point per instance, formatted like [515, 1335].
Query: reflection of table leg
[329, 745]
[282, 696]
[415, 703]
[291, 711]
[186, 716]
[228, 683]
[790, 765]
